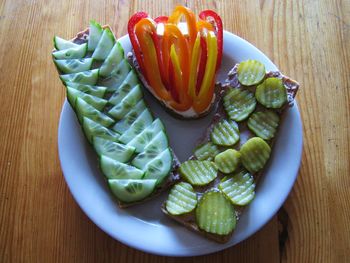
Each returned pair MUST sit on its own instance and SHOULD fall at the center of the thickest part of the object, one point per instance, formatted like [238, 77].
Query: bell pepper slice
[133, 39]
[144, 30]
[175, 17]
[212, 17]
[194, 67]
[161, 19]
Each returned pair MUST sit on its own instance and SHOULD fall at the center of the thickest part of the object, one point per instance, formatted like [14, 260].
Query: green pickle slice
[181, 200]
[239, 103]
[254, 154]
[228, 160]
[198, 172]
[271, 93]
[206, 151]
[250, 72]
[264, 124]
[225, 133]
[239, 189]
[215, 214]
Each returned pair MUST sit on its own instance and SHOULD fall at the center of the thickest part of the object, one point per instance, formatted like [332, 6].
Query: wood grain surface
[40, 221]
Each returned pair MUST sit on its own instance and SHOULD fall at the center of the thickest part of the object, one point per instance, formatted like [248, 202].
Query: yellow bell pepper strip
[144, 30]
[134, 42]
[175, 17]
[194, 66]
[206, 91]
[215, 19]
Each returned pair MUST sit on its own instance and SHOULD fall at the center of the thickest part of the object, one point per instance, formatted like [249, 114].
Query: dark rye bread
[188, 220]
[173, 177]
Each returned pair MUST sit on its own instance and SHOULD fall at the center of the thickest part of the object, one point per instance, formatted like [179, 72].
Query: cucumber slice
[92, 128]
[71, 53]
[130, 100]
[239, 103]
[86, 77]
[124, 88]
[61, 43]
[225, 133]
[254, 154]
[104, 46]
[125, 123]
[239, 189]
[96, 102]
[84, 109]
[250, 72]
[181, 200]
[96, 91]
[198, 172]
[141, 140]
[116, 151]
[160, 166]
[215, 214]
[271, 93]
[112, 61]
[68, 66]
[113, 81]
[95, 33]
[206, 151]
[264, 124]
[228, 160]
[139, 125]
[113, 169]
[157, 145]
[132, 190]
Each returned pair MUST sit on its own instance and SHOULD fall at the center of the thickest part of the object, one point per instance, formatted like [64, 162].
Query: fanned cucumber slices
[105, 92]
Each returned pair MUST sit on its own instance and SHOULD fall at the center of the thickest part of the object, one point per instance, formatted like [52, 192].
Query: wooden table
[40, 221]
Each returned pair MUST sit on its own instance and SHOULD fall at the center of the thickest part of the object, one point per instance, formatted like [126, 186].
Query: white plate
[144, 226]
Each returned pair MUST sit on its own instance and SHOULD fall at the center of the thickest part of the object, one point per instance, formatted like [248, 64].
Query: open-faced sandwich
[177, 62]
[107, 97]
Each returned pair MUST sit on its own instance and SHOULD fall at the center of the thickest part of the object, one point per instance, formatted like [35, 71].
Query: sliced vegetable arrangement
[220, 177]
[179, 60]
[105, 92]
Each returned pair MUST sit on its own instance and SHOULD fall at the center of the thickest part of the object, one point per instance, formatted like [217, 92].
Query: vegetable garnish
[179, 60]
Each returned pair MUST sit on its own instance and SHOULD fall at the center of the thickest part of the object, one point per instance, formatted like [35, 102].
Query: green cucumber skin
[95, 29]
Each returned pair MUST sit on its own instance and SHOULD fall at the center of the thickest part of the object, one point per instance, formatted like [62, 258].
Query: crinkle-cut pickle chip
[228, 160]
[239, 189]
[250, 72]
[271, 93]
[198, 172]
[264, 124]
[239, 103]
[206, 151]
[181, 200]
[215, 214]
[225, 133]
[254, 154]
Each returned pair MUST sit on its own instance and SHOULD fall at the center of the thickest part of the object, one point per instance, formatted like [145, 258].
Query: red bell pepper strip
[161, 19]
[144, 30]
[212, 17]
[133, 39]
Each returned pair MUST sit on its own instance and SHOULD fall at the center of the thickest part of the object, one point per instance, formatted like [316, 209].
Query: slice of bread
[188, 220]
[82, 37]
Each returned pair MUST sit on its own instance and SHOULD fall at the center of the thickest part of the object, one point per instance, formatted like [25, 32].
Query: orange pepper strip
[175, 17]
[201, 24]
[194, 67]
[206, 91]
[144, 30]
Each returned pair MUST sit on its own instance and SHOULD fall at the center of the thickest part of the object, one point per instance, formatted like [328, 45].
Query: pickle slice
[239, 103]
[264, 124]
[225, 133]
[254, 154]
[228, 160]
[271, 93]
[239, 189]
[250, 72]
[198, 172]
[215, 214]
[181, 200]
[206, 151]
